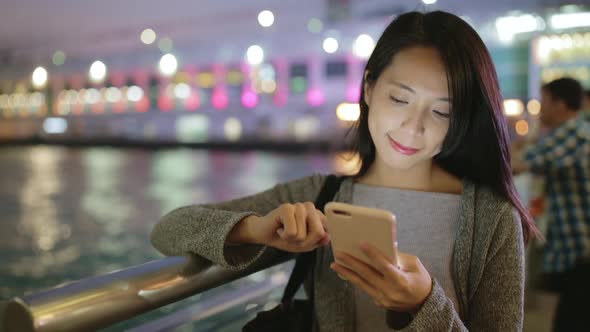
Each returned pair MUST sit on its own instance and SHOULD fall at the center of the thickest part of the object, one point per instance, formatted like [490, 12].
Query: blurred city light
[330, 45]
[348, 112]
[268, 86]
[266, 18]
[192, 128]
[533, 107]
[98, 72]
[363, 46]
[508, 26]
[306, 128]
[166, 45]
[315, 25]
[192, 102]
[522, 127]
[134, 94]
[39, 77]
[148, 36]
[429, 2]
[249, 99]
[113, 95]
[513, 107]
[315, 97]
[59, 58]
[182, 91]
[570, 20]
[92, 96]
[4, 101]
[353, 93]
[267, 72]
[55, 125]
[235, 77]
[219, 100]
[232, 129]
[255, 55]
[168, 65]
[206, 80]
[36, 99]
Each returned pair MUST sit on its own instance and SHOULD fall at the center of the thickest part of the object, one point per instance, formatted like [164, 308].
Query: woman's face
[409, 107]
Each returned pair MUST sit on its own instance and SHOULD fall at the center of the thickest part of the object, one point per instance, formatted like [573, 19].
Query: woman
[433, 143]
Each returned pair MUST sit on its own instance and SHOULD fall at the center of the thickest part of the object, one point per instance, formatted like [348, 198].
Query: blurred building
[255, 73]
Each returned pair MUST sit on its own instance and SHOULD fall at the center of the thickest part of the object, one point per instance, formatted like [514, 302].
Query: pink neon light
[143, 105]
[315, 97]
[219, 99]
[249, 99]
[165, 104]
[193, 102]
[280, 99]
[353, 93]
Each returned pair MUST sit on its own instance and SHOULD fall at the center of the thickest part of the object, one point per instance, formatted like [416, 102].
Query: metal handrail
[98, 302]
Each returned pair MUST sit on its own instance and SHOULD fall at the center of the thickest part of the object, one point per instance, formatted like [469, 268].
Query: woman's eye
[398, 101]
[442, 114]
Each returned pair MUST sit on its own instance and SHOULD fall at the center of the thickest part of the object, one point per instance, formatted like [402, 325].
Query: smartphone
[350, 225]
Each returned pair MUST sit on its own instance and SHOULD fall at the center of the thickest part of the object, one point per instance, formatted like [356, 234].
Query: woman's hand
[290, 227]
[404, 288]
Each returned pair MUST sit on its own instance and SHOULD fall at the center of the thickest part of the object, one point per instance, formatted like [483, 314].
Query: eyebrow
[405, 87]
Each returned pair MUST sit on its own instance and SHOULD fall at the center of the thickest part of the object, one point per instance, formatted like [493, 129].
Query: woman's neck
[429, 178]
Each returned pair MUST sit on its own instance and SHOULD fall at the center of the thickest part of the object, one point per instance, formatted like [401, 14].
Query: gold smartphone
[350, 225]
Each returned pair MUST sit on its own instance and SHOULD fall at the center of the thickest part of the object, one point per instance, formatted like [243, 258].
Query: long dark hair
[476, 146]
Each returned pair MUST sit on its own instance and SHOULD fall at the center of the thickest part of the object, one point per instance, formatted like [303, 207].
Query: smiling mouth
[401, 148]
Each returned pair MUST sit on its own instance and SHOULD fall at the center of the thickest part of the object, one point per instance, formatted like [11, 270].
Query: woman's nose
[414, 122]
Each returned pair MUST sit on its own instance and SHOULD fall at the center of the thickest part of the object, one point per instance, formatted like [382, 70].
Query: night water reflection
[70, 213]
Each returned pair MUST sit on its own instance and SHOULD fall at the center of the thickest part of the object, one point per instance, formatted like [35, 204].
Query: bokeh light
[513, 107]
[266, 18]
[533, 107]
[255, 55]
[58, 58]
[148, 36]
[39, 77]
[315, 25]
[348, 112]
[168, 65]
[98, 72]
[330, 45]
[363, 46]
[522, 127]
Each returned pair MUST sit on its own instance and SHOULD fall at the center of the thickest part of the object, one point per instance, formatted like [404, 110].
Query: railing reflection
[100, 301]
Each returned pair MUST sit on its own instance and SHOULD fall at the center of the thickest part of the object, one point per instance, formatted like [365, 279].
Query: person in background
[562, 157]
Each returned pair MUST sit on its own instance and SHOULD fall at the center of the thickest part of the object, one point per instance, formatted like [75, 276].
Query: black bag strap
[305, 261]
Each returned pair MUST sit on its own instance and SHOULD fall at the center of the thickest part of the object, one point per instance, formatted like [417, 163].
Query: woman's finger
[314, 225]
[300, 218]
[380, 261]
[364, 270]
[355, 279]
[286, 216]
